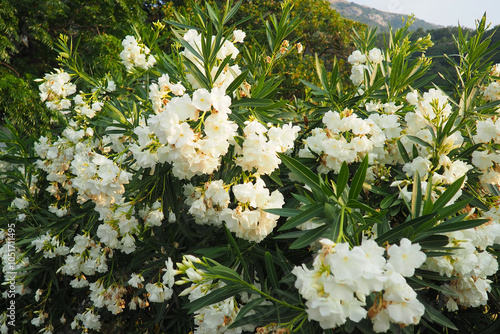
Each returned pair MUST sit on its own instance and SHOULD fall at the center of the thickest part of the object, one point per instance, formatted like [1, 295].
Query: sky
[442, 12]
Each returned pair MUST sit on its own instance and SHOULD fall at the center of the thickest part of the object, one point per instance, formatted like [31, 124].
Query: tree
[29, 29]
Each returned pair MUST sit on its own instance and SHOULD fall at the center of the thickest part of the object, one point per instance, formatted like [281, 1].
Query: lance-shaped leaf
[236, 82]
[311, 212]
[437, 317]
[271, 271]
[309, 237]
[450, 192]
[455, 224]
[416, 196]
[398, 232]
[403, 152]
[303, 173]
[358, 179]
[244, 311]
[216, 296]
[342, 179]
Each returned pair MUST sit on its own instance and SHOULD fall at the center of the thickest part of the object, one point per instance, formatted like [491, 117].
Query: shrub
[182, 195]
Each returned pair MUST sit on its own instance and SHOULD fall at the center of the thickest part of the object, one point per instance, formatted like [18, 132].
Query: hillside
[374, 17]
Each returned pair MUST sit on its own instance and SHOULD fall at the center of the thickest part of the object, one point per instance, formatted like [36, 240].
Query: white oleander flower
[356, 57]
[239, 36]
[406, 257]
[375, 56]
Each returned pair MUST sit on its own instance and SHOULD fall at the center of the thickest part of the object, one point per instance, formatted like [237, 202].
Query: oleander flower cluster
[55, 89]
[260, 146]
[192, 143]
[136, 54]
[487, 158]
[364, 64]
[492, 91]
[337, 286]
[470, 264]
[210, 205]
[429, 114]
[345, 138]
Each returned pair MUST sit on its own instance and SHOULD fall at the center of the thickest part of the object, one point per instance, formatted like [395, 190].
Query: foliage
[25, 109]
[30, 29]
[445, 44]
[321, 31]
[182, 194]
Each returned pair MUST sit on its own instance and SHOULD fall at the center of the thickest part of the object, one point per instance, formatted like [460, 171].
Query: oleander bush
[181, 194]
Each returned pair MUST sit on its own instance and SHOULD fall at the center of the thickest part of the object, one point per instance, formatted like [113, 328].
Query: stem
[273, 299]
[341, 231]
[11, 68]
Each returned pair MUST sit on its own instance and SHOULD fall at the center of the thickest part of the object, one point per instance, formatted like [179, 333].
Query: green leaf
[236, 83]
[451, 209]
[236, 249]
[416, 196]
[231, 12]
[420, 141]
[284, 212]
[437, 317]
[467, 152]
[115, 114]
[387, 201]
[225, 273]
[215, 296]
[325, 189]
[352, 203]
[403, 152]
[304, 199]
[283, 262]
[290, 235]
[342, 179]
[331, 211]
[397, 232]
[271, 271]
[428, 202]
[306, 215]
[432, 275]
[214, 15]
[449, 123]
[416, 283]
[275, 177]
[449, 193]
[448, 226]
[180, 25]
[358, 179]
[436, 241]
[309, 237]
[302, 172]
[244, 310]
[252, 103]
[316, 89]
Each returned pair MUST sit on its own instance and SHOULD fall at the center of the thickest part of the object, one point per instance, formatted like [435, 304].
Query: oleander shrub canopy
[178, 189]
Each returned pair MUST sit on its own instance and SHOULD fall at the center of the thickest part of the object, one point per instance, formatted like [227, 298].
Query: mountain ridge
[376, 18]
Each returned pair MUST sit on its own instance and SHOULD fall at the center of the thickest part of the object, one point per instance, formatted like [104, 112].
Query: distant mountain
[376, 18]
